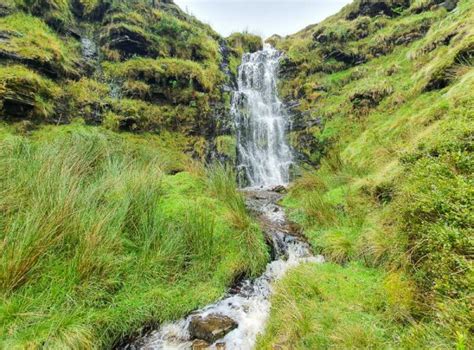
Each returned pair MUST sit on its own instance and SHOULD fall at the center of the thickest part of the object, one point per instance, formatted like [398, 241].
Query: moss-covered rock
[28, 40]
[226, 146]
[153, 67]
[56, 13]
[26, 95]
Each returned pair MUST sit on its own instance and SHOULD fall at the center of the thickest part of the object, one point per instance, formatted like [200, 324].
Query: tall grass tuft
[222, 183]
[96, 239]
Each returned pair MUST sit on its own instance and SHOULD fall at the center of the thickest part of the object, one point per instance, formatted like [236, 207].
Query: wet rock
[95, 14]
[373, 8]
[365, 100]
[211, 328]
[279, 189]
[127, 41]
[199, 344]
[352, 59]
[6, 9]
[287, 68]
[18, 103]
[322, 38]
[449, 4]
[220, 346]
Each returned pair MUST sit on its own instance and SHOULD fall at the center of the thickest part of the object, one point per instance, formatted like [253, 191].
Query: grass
[29, 38]
[98, 240]
[329, 307]
[392, 191]
[25, 94]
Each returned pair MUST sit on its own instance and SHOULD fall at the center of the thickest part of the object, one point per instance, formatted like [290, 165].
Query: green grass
[329, 307]
[97, 240]
[348, 307]
[29, 38]
[18, 83]
[393, 189]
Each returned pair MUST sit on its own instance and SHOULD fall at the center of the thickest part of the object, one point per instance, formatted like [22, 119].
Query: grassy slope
[98, 240]
[98, 237]
[393, 196]
[156, 68]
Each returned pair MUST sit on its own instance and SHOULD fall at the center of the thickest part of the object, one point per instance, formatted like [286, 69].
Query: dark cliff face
[135, 66]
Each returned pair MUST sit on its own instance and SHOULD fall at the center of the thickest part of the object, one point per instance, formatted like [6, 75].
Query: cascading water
[248, 303]
[261, 122]
[265, 158]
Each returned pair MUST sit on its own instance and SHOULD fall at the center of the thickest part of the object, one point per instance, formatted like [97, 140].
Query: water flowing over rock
[211, 328]
[234, 322]
[247, 304]
[261, 122]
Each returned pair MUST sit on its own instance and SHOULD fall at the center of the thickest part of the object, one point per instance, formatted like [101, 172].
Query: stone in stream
[279, 189]
[199, 344]
[211, 328]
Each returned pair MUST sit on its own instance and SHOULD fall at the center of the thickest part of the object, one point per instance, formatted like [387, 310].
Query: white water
[250, 305]
[265, 158]
[261, 122]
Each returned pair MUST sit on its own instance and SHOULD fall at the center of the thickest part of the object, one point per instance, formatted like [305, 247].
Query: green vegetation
[97, 239]
[392, 137]
[332, 307]
[25, 94]
[112, 222]
[31, 41]
[241, 43]
[147, 68]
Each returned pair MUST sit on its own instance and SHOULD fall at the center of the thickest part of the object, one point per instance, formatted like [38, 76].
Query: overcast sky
[263, 17]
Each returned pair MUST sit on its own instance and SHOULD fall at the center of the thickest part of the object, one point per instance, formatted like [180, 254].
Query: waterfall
[261, 122]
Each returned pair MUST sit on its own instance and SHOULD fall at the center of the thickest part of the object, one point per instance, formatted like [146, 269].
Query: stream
[247, 304]
[264, 161]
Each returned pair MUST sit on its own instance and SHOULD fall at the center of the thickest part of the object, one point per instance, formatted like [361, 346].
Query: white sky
[262, 17]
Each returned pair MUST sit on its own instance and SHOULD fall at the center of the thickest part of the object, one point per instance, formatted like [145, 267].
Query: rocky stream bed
[234, 322]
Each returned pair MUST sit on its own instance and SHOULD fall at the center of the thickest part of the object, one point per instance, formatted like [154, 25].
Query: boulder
[279, 189]
[211, 328]
[349, 58]
[450, 4]
[6, 9]
[199, 344]
[373, 8]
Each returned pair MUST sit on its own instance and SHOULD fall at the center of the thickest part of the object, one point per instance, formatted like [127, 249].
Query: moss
[29, 40]
[25, 94]
[245, 42]
[185, 88]
[57, 13]
[239, 44]
[141, 30]
[182, 40]
[87, 99]
[227, 146]
[140, 116]
[167, 73]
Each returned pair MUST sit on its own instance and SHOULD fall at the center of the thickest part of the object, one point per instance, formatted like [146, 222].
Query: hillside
[383, 105]
[109, 222]
[120, 149]
[135, 66]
